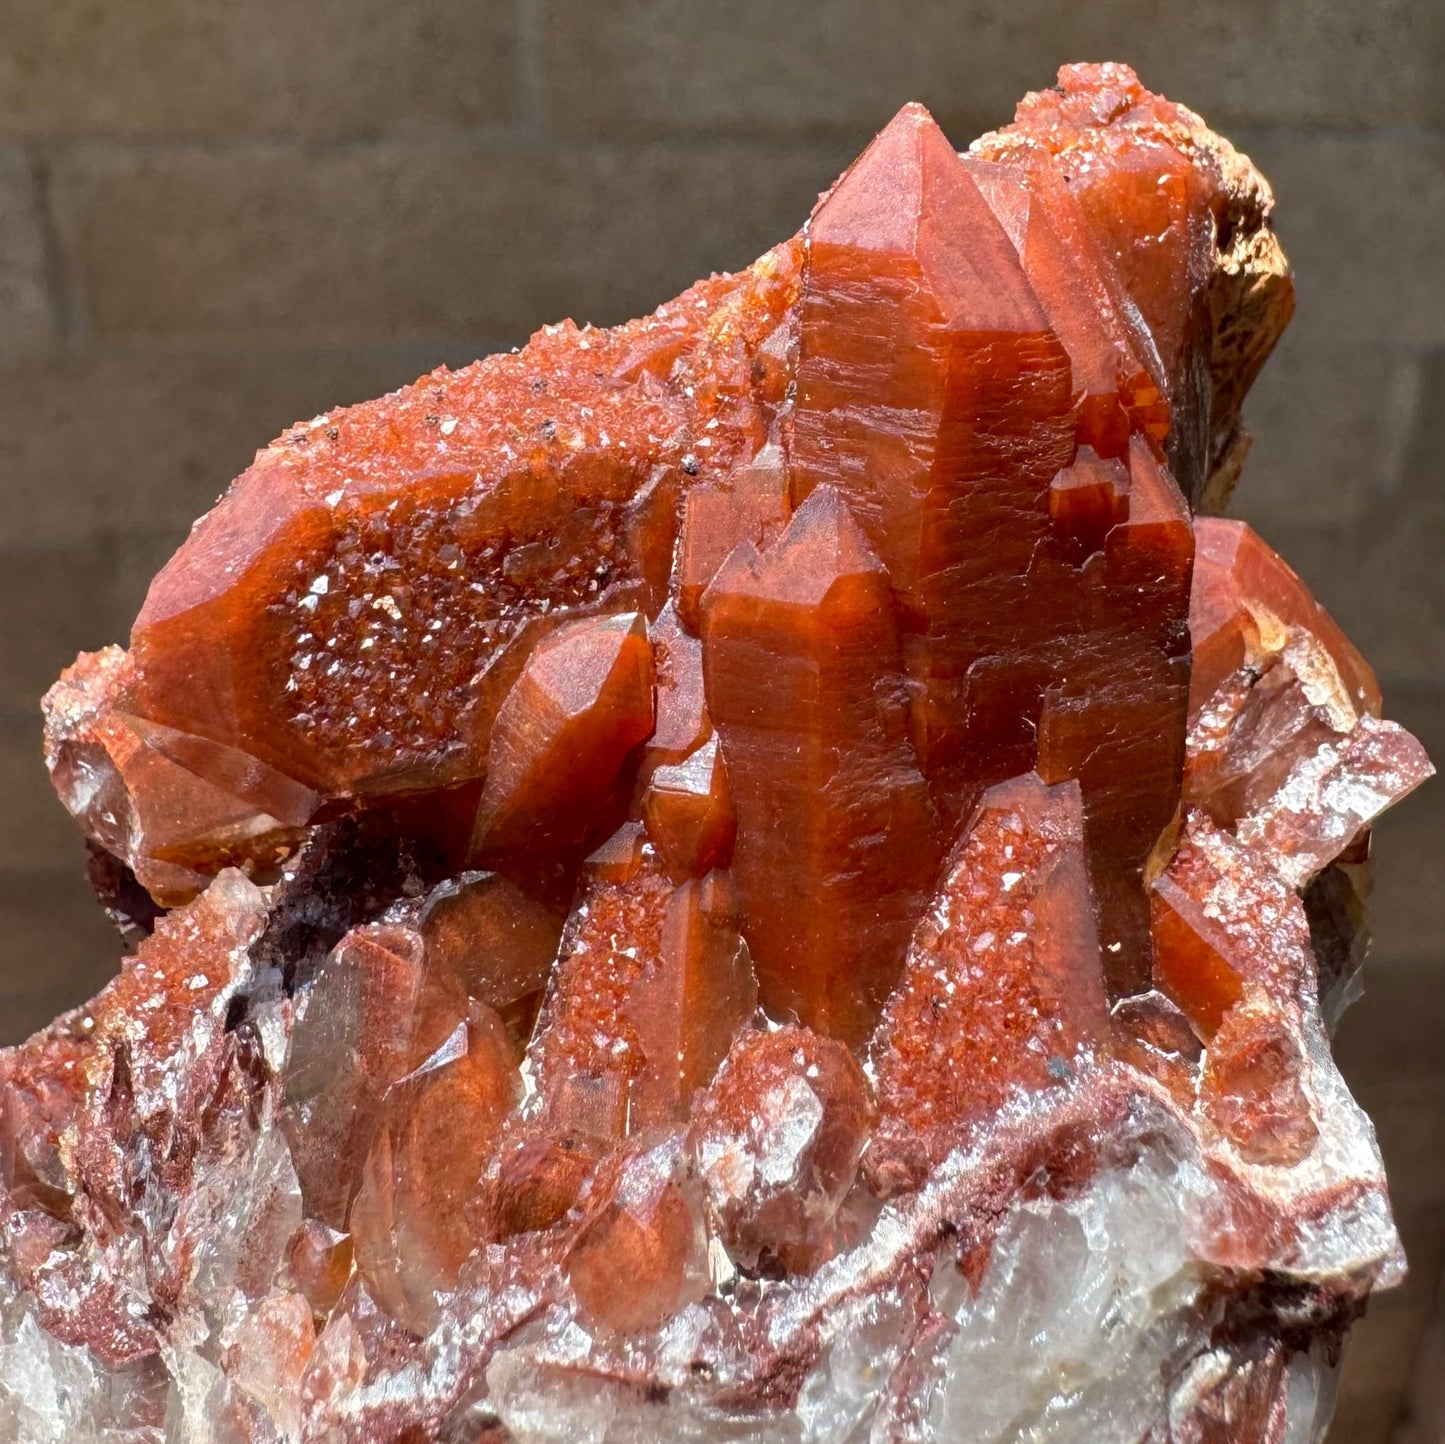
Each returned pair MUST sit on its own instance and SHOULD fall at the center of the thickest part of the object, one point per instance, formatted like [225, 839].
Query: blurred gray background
[220, 216]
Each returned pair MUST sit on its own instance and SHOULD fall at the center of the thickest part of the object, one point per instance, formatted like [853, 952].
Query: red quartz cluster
[675, 840]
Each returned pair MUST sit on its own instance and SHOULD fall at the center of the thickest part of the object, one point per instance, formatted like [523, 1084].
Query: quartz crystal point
[763, 874]
[1003, 990]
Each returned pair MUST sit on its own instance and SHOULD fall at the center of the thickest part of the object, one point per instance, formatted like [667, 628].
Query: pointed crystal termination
[805, 685]
[1182, 222]
[1117, 374]
[755, 872]
[1004, 983]
[582, 702]
[934, 397]
[440, 1125]
[955, 439]
[653, 983]
[777, 1139]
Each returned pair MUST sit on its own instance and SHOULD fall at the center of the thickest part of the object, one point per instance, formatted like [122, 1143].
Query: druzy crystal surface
[773, 873]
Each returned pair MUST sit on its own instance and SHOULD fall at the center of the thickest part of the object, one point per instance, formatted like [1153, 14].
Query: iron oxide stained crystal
[773, 873]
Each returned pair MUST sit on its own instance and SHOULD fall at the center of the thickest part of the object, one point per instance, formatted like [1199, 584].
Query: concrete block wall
[218, 216]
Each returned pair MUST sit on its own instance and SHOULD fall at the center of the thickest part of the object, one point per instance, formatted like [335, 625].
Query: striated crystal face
[765, 874]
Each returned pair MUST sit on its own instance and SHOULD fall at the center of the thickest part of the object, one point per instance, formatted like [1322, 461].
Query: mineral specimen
[765, 874]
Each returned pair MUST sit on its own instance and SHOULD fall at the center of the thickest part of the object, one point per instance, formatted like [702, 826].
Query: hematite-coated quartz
[765, 874]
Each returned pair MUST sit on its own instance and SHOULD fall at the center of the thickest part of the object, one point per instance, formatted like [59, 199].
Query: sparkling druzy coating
[763, 874]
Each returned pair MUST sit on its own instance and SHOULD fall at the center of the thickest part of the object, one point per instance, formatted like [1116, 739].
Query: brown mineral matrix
[765, 873]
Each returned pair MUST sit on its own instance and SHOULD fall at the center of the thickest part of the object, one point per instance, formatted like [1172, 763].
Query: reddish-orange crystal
[583, 701]
[1182, 228]
[172, 806]
[536, 1180]
[1117, 375]
[1246, 605]
[494, 938]
[1286, 743]
[778, 1137]
[636, 1257]
[1004, 984]
[689, 812]
[409, 1221]
[758, 870]
[1232, 948]
[934, 397]
[653, 985]
[320, 1260]
[805, 686]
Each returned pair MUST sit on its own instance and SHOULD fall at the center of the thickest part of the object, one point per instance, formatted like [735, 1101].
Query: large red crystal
[759, 873]
[822, 770]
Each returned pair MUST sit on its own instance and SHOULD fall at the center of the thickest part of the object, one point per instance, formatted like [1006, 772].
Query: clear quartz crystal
[1085, 1304]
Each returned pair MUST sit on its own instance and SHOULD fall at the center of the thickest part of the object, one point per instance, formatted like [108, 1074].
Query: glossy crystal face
[764, 874]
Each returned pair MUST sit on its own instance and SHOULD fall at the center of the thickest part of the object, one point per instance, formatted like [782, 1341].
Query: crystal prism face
[764, 874]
